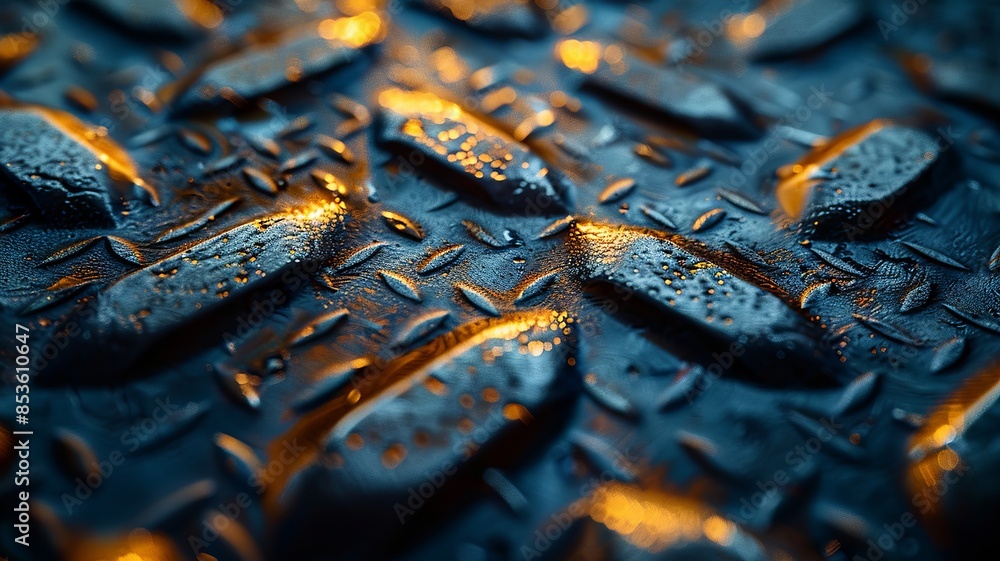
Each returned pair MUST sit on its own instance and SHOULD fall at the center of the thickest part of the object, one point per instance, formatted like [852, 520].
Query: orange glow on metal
[137, 545]
[341, 414]
[741, 29]
[113, 157]
[419, 104]
[14, 47]
[930, 452]
[482, 150]
[795, 184]
[202, 12]
[584, 56]
[354, 31]
[654, 520]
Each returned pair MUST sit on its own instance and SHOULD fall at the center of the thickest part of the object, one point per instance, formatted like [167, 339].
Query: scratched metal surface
[443, 279]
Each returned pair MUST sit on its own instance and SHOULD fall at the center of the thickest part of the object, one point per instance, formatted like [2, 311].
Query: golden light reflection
[741, 29]
[655, 520]
[355, 7]
[744, 28]
[331, 183]
[498, 98]
[934, 464]
[340, 415]
[571, 19]
[419, 104]
[326, 210]
[460, 9]
[137, 545]
[584, 56]
[355, 31]
[719, 530]
[16, 46]
[947, 459]
[466, 10]
[113, 157]
[411, 369]
[202, 12]
[796, 183]
[957, 413]
[614, 54]
[457, 137]
[449, 65]
[516, 412]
